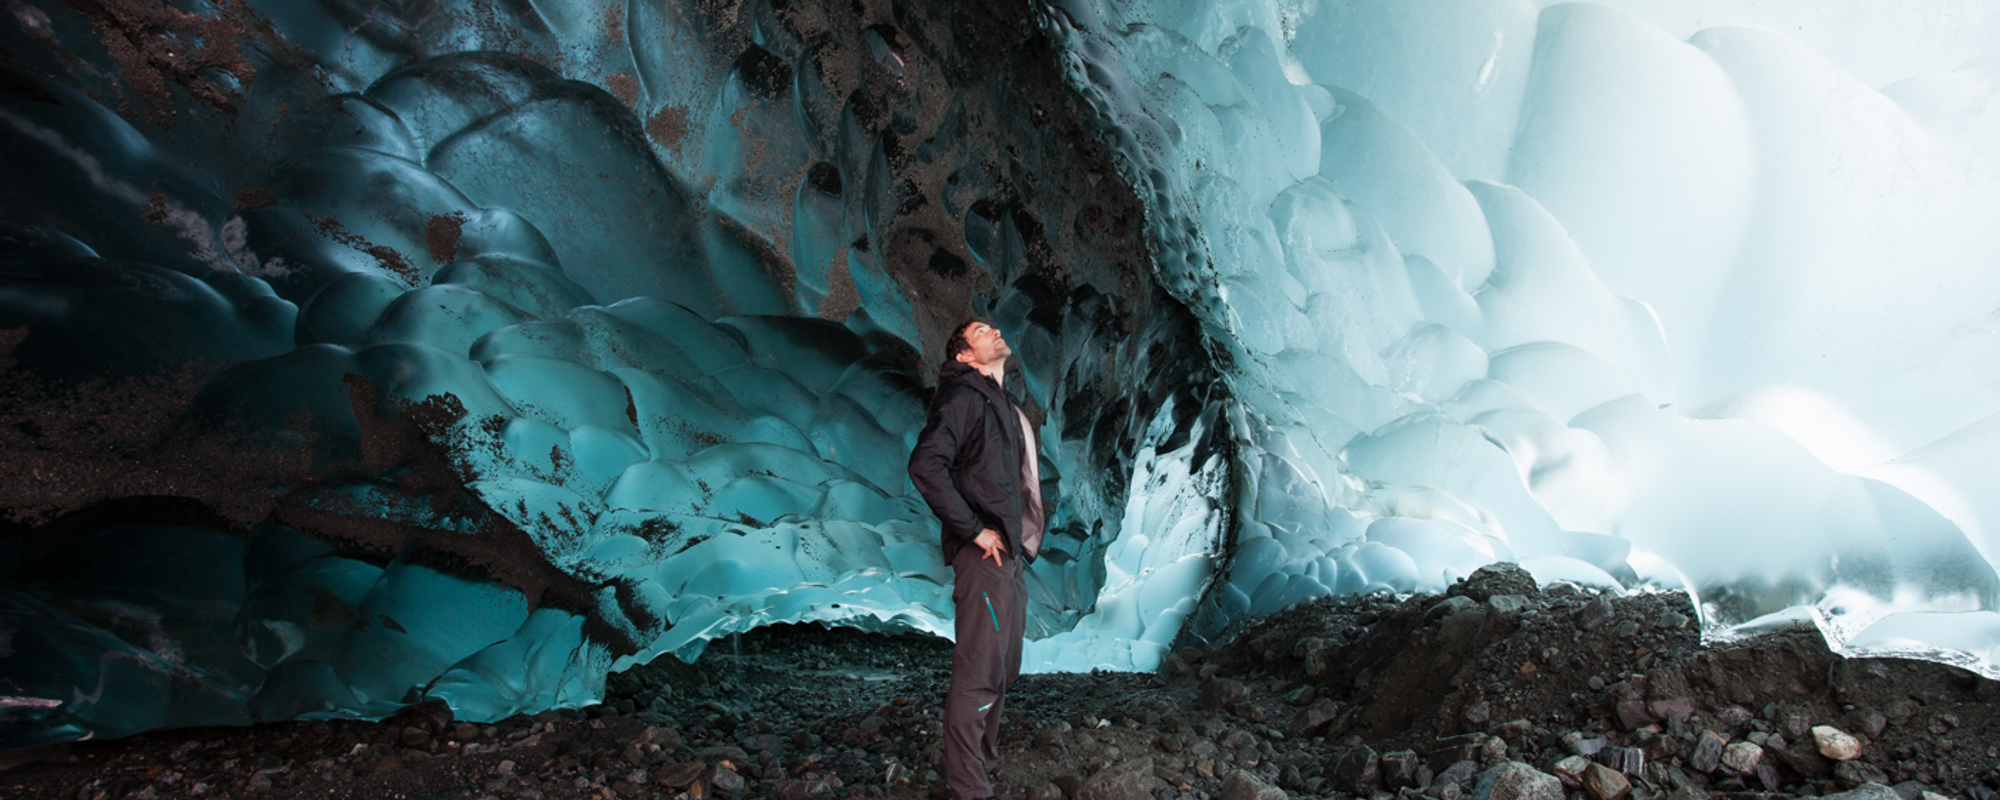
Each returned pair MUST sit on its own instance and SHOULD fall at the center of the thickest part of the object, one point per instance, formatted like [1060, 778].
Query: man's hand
[989, 541]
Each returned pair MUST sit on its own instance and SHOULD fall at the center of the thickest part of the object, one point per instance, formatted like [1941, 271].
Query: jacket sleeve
[949, 424]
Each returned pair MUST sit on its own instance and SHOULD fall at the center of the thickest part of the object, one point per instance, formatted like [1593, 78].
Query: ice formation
[594, 331]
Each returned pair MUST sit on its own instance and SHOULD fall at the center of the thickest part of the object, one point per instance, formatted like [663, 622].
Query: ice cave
[360, 352]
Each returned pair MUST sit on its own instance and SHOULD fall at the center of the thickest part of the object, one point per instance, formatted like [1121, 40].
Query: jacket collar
[955, 371]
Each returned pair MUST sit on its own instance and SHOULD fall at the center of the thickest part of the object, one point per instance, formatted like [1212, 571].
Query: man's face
[987, 345]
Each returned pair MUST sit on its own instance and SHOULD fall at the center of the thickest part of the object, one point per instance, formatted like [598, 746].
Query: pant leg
[1012, 616]
[984, 597]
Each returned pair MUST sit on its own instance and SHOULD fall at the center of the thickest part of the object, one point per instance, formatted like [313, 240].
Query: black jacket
[967, 463]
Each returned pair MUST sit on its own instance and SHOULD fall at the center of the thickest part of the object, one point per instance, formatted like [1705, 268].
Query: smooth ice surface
[607, 352]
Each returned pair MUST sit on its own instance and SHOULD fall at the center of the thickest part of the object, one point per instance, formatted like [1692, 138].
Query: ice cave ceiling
[359, 352]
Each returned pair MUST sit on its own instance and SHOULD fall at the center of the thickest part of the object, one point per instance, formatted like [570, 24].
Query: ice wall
[470, 357]
[1552, 285]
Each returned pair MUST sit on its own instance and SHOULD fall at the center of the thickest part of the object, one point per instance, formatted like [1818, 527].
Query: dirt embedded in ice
[1488, 689]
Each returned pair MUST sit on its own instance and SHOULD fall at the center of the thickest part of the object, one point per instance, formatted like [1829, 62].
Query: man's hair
[958, 343]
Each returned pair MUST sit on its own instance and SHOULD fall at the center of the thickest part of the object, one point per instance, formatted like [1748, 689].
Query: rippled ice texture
[595, 321]
[1554, 285]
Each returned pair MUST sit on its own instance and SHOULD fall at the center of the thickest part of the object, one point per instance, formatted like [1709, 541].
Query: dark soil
[1369, 696]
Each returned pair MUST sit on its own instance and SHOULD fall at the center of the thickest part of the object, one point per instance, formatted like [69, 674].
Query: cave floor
[1371, 696]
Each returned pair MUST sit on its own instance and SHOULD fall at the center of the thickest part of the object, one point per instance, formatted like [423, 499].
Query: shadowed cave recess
[358, 354]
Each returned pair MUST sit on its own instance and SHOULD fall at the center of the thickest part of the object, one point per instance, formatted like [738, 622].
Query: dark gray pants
[992, 608]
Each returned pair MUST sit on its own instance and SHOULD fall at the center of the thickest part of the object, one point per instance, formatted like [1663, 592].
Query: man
[975, 464]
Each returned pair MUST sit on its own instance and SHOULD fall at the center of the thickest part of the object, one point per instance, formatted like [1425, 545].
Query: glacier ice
[587, 332]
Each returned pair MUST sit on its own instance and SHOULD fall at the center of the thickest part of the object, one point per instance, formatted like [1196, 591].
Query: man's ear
[963, 357]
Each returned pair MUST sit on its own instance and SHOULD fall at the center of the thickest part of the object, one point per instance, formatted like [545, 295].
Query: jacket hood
[956, 371]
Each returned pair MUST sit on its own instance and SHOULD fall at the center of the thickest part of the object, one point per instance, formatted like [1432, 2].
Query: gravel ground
[1494, 691]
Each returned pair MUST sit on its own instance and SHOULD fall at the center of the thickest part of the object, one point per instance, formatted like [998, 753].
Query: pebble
[1835, 743]
[1707, 752]
[1866, 791]
[1358, 771]
[1742, 757]
[1242, 785]
[1131, 780]
[1594, 615]
[1604, 783]
[1514, 780]
[1570, 770]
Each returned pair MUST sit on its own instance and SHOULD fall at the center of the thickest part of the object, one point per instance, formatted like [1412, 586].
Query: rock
[1221, 693]
[1670, 708]
[1130, 780]
[1492, 579]
[1804, 759]
[725, 782]
[1453, 749]
[1508, 606]
[1734, 717]
[1742, 757]
[1448, 607]
[801, 790]
[1458, 773]
[1399, 769]
[1629, 760]
[1314, 717]
[730, 753]
[1493, 752]
[1670, 620]
[1595, 614]
[1768, 775]
[414, 738]
[1604, 783]
[1856, 773]
[1514, 729]
[1688, 793]
[1867, 722]
[1909, 790]
[1583, 745]
[1570, 770]
[1707, 752]
[1358, 771]
[1866, 791]
[1514, 780]
[1318, 655]
[1299, 696]
[1633, 714]
[1835, 743]
[1898, 712]
[678, 776]
[1242, 785]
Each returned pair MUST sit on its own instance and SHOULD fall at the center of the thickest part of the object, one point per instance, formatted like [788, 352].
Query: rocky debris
[1354, 698]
